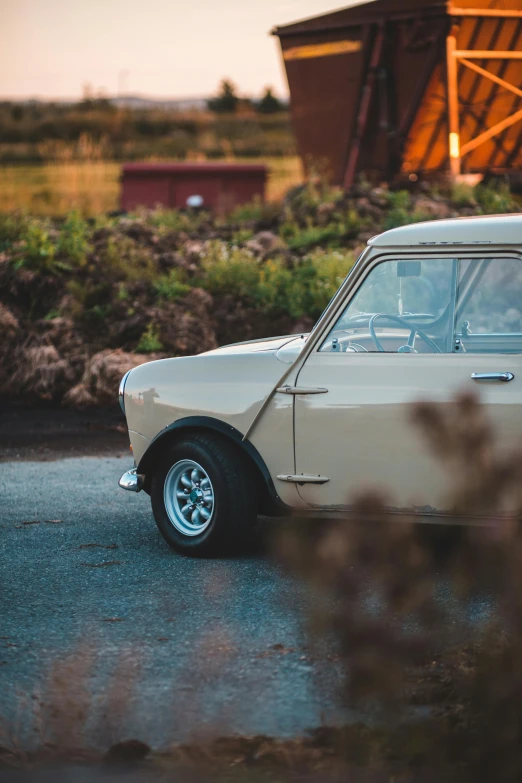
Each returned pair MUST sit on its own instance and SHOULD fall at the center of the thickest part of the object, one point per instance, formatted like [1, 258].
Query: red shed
[219, 186]
[396, 87]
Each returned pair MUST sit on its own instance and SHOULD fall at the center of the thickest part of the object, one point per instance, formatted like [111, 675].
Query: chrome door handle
[492, 376]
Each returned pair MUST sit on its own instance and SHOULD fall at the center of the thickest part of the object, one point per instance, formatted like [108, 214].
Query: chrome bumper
[131, 481]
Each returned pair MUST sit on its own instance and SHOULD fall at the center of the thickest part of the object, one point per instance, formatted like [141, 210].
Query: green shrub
[12, 228]
[495, 199]
[307, 199]
[122, 293]
[463, 195]
[399, 199]
[126, 260]
[167, 220]
[54, 313]
[254, 212]
[333, 234]
[149, 341]
[73, 241]
[302, 239]
[272, 286]
[37, 250]
[400, 211]
[228, 269]
[171, 286]
[241, 236]
[306, 289]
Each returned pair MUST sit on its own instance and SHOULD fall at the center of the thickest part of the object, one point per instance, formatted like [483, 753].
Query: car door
[356, 433]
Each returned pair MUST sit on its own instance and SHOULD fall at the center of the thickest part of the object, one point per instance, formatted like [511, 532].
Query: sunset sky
[163, 48]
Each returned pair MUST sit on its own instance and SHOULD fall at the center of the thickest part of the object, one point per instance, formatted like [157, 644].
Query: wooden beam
[485, 12]
[496, 129]
[364, 108]
[491, 76]
[452, 88]
[476, 54]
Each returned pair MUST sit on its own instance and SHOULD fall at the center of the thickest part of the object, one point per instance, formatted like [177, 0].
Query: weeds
[495, 198]
[149, 341]
[305, 288]
[37, 251]
[171, 286]
[12, 228]
[73, 243]
[228, 270]
[125, 259]
[463, 195]
[402, 211]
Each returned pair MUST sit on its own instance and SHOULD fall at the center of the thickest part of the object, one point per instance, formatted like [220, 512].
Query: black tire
[235, 496]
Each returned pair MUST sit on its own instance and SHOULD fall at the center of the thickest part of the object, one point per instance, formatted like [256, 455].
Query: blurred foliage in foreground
[427, 620]
[76, 293]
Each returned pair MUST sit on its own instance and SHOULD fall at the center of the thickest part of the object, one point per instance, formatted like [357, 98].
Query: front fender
[273, 503]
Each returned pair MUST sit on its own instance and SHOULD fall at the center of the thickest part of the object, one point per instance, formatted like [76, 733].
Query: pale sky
[161, 48]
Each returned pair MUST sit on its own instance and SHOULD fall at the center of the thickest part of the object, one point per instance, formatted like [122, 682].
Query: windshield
[394, 295]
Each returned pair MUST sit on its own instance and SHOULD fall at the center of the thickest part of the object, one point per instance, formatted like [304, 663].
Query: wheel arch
[270, 502]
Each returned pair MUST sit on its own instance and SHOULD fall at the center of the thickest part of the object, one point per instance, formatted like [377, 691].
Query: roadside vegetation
[37, 132]
[82, 299]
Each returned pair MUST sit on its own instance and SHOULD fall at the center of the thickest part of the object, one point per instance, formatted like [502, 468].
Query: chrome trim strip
[303, 479]
[121, 390]
[300, 390]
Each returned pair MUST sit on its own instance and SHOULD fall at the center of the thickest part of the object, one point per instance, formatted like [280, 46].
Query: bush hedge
[183, 282]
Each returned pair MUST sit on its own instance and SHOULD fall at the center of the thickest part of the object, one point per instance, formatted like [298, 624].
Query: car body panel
[358, 434]
[139, 444]
[230, 387]
[367, 415]
[469, 231]
[252, 346]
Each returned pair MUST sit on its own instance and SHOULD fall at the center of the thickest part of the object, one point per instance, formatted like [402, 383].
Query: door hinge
[301, 478]
[300, 390]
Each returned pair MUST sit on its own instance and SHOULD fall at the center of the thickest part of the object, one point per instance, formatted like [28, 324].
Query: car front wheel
[204, 498]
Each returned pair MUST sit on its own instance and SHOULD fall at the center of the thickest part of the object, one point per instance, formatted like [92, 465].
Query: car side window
[402, 306]
[488, 315]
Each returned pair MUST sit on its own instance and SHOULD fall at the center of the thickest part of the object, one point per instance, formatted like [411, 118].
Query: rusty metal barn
[402, 87]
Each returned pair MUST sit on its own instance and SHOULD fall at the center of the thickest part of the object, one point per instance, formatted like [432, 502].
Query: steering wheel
[414, 331]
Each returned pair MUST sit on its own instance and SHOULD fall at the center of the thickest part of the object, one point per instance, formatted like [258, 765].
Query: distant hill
[143, 102]
[125, 101]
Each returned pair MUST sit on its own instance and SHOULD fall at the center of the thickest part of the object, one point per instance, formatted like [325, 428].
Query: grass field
[94, 188]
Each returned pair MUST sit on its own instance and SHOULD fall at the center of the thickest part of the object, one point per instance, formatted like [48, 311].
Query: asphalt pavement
[97, 612]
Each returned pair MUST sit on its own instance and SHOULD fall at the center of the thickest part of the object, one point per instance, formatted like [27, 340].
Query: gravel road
[97, 609]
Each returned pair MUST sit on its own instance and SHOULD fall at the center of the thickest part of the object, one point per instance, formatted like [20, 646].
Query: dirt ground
[48, 433]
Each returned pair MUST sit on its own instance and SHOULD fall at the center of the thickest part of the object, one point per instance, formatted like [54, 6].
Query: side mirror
[409, 269]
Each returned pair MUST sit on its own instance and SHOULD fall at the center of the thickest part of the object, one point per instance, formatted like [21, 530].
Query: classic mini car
[302, 422]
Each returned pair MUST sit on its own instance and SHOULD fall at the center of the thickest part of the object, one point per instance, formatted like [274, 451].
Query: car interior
[434, 306]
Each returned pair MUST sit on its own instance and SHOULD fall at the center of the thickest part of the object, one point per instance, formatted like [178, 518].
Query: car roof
[489, 229]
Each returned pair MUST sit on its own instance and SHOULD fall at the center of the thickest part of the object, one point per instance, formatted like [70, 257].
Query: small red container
[220, 186]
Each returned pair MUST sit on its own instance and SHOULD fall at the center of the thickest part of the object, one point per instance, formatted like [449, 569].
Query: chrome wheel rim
[189, 497]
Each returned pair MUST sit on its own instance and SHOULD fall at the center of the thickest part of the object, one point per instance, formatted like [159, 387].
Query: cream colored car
[302, 422]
